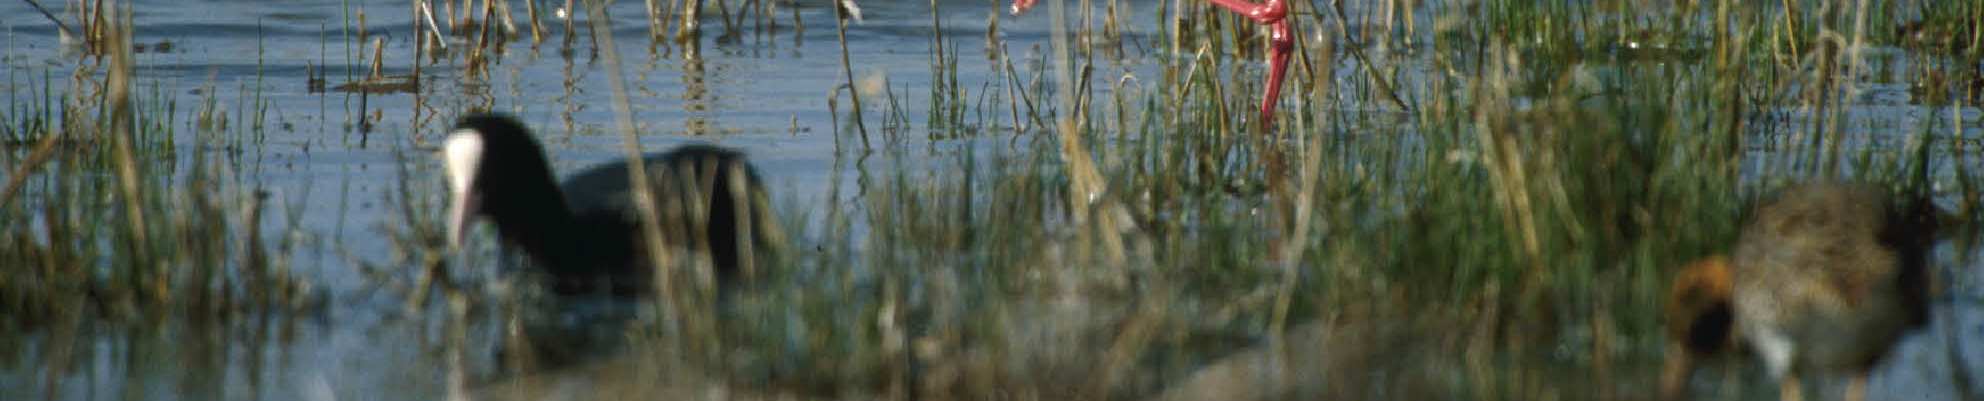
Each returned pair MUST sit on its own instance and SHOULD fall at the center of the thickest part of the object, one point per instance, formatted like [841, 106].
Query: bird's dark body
[601, 200]
[585, 234]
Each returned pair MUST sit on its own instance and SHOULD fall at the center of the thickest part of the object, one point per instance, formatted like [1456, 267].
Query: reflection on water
[695, 90]
[247, 357]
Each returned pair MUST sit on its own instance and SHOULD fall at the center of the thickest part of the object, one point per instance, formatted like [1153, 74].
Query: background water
[766, 94]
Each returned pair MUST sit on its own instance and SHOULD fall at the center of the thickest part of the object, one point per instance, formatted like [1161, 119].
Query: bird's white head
[463, 153]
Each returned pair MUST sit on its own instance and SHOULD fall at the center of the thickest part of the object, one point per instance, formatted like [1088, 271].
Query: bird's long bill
[463, 155]
[460, 209]
[1674, 374]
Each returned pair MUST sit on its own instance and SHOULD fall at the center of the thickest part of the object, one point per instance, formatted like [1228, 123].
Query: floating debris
[378, 82]
[381, 85]
[163, 46]
[314, 82]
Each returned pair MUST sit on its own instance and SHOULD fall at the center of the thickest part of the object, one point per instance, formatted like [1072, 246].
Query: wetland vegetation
[1456, 200]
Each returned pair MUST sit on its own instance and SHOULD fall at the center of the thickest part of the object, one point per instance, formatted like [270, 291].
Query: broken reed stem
[378, 58]
[426, 11]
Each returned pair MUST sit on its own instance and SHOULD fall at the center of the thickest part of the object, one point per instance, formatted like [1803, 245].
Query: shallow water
[765, 95]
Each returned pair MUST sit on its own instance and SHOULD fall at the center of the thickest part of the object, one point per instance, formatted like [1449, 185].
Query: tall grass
[101, 225]
[1527, 190]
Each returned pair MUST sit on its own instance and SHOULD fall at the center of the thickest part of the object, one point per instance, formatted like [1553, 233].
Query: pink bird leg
[1281, 41]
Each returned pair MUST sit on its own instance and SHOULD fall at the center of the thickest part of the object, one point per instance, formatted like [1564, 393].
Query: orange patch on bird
[1703, 279]
[1698, 305]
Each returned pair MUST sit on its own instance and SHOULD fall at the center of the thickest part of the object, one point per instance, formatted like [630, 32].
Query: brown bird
[1826, 278]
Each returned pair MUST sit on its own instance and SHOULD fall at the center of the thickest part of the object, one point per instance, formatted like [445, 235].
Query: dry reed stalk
[1967, 201]
[509, 20]
[254, 262]
[691, 26]
[759, 21]
[1357, 50]
[1304, 204]
[723, 14]
[740, 194]
[419, 47]
[427, 12]
[655, 28]
[362, 34]
[1602, 343]
[1133, 336]
[1729, 53]
[488, 26]
[645, 203]
[44, 150]
[569, 29]
[1502, 153]
[697, 207]
[478, 61]
[89, 19]
[66, 32]
[623, 120]
[1088, 190]
[1853, 62]
[536, 31]
[847, 71]
[122, 130]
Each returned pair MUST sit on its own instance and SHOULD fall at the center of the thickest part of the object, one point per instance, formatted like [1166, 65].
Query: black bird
[586, 234]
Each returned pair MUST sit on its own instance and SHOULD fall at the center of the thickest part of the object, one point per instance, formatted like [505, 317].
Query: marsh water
[342, 172]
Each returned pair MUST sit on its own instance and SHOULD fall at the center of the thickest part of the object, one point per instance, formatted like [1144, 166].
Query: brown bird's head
[1700, 321]
[1914, 224]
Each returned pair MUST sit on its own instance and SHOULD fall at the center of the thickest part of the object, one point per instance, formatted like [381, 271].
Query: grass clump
[98, 224]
